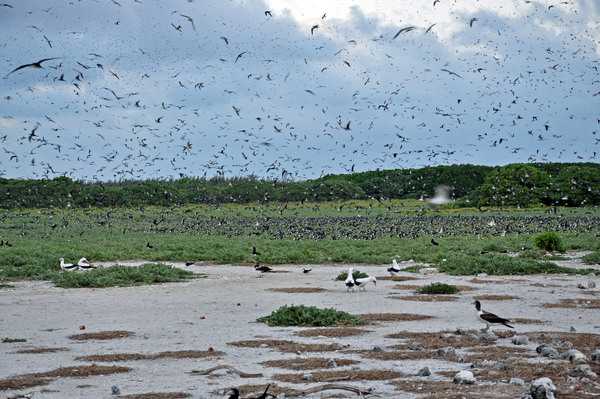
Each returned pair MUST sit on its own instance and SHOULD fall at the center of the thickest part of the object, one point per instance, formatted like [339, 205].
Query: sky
[172, 88]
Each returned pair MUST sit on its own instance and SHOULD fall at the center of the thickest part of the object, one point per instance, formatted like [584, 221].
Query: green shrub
[438, 288]
[593, 258]
[549, 241]
[356, 274]
[120, 276]
[501, 265]
[308, 316]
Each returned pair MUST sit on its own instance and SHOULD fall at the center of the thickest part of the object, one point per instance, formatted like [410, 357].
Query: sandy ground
[224, 306]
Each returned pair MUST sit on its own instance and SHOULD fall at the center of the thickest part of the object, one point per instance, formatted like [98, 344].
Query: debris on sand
[155, 395]
[9, 340]
[492, 297]
[309, 363]
[464, 377]
[340, 375]
[426, 298]
[578, 303]
[101, 335]
[286, 346]
[124, 357]
[41, 350]
[332, 332]
[35, 379]
[298, 290]
[230, 369]
[392, 317]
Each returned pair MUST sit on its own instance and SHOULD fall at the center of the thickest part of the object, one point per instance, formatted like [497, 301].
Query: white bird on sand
[84, 264]
[395, 268]
[361, 283]
[350, 283]
[67, 266]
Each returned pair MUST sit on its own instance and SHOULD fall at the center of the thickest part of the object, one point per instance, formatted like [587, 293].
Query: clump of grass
[438, 288]
[549, 241]
[120, 276]
[501, 265]
[309, 316]
[356, 274]
[593, 258]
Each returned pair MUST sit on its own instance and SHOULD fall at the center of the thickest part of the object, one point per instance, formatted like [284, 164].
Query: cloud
[149, 84]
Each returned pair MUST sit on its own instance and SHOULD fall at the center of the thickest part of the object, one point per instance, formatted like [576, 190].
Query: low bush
[438, 288]
[309, 316]
[549, 241]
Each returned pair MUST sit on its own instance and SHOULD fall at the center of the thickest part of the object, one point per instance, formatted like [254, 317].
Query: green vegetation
[512, 185]
[355, 274]
[309, 316]
[438, 289]
[501, 265]
[549, 241]
[120, 276]
[593, 258]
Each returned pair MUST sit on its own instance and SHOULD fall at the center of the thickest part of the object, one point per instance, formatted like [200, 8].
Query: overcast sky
[140, 91]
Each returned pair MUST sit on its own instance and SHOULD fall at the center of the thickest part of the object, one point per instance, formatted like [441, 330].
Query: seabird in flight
[35, 65]
[489, 318]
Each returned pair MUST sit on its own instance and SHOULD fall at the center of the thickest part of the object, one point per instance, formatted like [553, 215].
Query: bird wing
[492, 318]
[19, 68]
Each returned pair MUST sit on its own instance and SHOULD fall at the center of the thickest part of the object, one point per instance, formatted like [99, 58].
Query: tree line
[566, 184]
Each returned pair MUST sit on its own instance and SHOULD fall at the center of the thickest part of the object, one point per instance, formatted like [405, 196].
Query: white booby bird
[489, 318]
[361, 283]
[395, 268]
[350, 283]
[84, 264]
[67, 266]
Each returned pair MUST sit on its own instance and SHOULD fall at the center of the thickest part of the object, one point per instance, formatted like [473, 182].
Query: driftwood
[335, 387]
[225, 367]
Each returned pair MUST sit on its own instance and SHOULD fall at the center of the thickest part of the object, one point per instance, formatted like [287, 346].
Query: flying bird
[268, 13]
[240, 55]
[313, 29]
[473, 20]
[190, 19]
[403, 30]
[430, 27]
[451, 73]
[35, 65]
[489, 318]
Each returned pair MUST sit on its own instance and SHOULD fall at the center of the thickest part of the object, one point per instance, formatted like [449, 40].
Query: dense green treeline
[512, 185]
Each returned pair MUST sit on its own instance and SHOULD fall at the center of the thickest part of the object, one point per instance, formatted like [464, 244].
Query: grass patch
[593, 258]
[310, 363]
[501, 265]
[124, 357]
[101, 335]
[309, 316]
[355, 274]
[437, 289]
[285, 345]
[120, 276]
[549, 241]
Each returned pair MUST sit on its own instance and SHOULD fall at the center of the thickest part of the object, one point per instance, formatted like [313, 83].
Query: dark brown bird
[313, 29]
[35, 65]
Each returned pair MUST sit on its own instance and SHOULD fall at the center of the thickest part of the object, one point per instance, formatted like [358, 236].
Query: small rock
[487, 336]
[264, 345]
[415, 347]
[572, 329]
[307, 377]
[596, 356]
[547, 351]
[377, 349]
[464, 377]
[520, 340]
[574, 356]
[428, 270]
[331, 363]
[583, 370]
[516, 381]
[543, 388]
[447, 352]
[115, 390]
[591, 284]
[424, 372]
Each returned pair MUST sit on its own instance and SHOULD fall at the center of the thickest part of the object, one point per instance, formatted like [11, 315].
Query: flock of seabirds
[375, 124]
[351, 283]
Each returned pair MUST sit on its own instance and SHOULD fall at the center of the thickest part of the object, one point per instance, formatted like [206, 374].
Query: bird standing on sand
[262, 269]
[350, 280]
[361, 283]
[489, 318]
[395, 268]
[306, 270]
